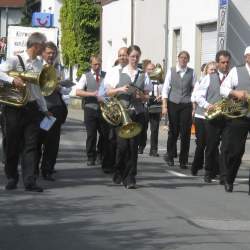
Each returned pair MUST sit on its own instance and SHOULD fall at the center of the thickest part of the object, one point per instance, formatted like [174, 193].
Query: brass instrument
[115, 114]
[229, 108]
[46, 79]
[157, 74]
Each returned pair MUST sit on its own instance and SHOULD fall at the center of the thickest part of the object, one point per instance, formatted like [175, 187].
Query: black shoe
[117, 178]
[228, 187]
[107, 170]
[90, 163]
[170, 162]
[33, 188]
[11, 185]
[194, 171]
[222, 182]
[130, 183]
[131, 186]
[183, 166]
[207, 179]
[140, 150]
[48, 177]
[154, 153]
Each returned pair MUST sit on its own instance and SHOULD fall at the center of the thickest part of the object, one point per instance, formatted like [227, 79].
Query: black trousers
[21, 126]
[142, 140]
[94, 123]
[214, 132]
[127, 153]
[154, 120]
[233, 146]
[180, 122]
[200, 133]
[49, 141]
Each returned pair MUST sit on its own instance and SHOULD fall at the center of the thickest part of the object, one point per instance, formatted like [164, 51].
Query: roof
[104, 2]
[12, 3]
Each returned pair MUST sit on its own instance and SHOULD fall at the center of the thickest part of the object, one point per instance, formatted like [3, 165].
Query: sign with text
[18, 36]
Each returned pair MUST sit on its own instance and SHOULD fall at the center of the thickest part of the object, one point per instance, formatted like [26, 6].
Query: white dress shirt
[194, 96]
[31, 65]
[231, 81]
[82, 83]
[167, 83]
[113, 76]
[201, 92]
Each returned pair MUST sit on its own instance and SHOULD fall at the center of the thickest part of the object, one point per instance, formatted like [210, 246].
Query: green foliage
[80, 23]
[27, 13]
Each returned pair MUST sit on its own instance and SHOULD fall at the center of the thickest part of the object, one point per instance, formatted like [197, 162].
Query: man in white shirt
[176, 102]
[236, 85]
[88, 88]
[21, 124]
[207, 94]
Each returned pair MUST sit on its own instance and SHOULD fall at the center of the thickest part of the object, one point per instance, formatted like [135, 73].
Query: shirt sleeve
[6, 66]
[230, 82]
[193, 96]
[148, 84]
[201, 92]
[82, 83]
[112, 78]
[166, 86]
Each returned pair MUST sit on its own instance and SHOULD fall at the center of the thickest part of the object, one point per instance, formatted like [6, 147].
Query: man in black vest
[49, 140]
[176, 102]
[208, 94]
[236, 85]
[88, 87]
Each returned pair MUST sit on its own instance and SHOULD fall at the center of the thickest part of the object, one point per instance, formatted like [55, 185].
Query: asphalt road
[84, 210]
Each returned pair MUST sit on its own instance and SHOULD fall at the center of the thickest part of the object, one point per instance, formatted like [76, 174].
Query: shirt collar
[179, 69]
[93, 72]
[221, 74]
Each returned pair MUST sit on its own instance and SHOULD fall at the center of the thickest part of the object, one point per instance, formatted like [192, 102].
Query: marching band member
[22, 123]
[176, 102]
[207, 95]
[154, 112]
[127, 149]
[199, 121]
[236, 85]
[87, 87]
[49, 140]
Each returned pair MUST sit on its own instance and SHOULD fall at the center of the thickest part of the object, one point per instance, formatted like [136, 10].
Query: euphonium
[115, 114]
[157, 74]
[229, 108]
[46, 79]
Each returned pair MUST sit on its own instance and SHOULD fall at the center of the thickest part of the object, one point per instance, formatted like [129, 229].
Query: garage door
[208, 42]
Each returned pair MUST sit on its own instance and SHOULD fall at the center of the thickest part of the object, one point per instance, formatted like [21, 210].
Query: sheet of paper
[47, 122]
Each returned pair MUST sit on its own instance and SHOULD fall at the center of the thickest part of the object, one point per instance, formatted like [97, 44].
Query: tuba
[115, 114]
[46, 79]
[157, 74]
[229, 108]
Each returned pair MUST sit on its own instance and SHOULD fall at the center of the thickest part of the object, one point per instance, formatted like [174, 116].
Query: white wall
[186, 15]
[149, 29]
[14, 17]
[116, 30]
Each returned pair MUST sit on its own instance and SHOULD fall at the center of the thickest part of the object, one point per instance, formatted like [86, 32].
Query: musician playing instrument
[208, 94]
[21, 124]
[49, 140]
[127, 149]
[199, 121]
[236, 85]
[154, 112]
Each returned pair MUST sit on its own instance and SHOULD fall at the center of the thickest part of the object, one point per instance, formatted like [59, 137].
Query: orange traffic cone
[193, 129]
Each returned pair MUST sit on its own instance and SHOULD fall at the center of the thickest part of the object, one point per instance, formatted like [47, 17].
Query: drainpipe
[166, 36]
[7, 20]
[132, 21]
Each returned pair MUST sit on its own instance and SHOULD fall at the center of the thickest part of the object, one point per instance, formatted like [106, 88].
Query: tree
[80, 23]
[27, 11]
